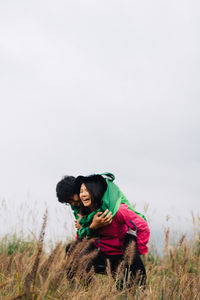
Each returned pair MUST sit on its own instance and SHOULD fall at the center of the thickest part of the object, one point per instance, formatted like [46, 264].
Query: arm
[82, 231]
[99, 220]
[138, 224]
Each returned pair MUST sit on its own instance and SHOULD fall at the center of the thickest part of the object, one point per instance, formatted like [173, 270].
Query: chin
[88, 204]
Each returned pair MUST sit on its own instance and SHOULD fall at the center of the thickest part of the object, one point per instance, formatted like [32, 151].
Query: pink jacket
[111, 237]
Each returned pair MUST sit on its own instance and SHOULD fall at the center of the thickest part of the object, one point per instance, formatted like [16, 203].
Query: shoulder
[122, 211]
[123, 207]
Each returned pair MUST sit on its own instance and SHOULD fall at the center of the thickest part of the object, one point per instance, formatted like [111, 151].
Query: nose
[84, 193]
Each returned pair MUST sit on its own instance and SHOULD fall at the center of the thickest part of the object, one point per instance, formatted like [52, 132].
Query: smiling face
[85, 196]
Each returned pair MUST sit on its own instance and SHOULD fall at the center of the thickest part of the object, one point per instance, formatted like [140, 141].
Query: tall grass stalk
[31, 273]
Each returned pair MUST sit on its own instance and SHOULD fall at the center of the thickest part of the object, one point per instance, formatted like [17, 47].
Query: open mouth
[86, 200]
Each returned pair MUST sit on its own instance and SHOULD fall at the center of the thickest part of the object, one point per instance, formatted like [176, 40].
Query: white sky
[94, 86]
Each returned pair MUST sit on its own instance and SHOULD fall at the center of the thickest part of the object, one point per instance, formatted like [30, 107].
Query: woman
[111, 239]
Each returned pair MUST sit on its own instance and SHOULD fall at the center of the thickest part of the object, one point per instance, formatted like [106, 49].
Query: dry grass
[27, 272]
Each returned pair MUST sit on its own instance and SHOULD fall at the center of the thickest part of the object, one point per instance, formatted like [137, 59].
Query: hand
[77, 225]
[101, 220]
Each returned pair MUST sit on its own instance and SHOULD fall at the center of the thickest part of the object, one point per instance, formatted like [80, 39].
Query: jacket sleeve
[136, 223]
[85, 232]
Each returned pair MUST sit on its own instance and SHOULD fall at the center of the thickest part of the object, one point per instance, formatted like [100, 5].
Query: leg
[138, 270]
[99, 262]
[135, 264]
[114, 260]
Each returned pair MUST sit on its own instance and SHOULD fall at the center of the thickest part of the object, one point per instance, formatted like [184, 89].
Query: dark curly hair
[65, 189]
[96, 186]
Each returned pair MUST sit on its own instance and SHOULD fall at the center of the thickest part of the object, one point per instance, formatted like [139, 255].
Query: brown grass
[32, 274]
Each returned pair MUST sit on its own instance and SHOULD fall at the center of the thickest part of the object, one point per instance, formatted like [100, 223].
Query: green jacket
[111, 200]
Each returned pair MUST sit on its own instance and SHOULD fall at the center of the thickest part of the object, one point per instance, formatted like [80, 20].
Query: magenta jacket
[111, 237]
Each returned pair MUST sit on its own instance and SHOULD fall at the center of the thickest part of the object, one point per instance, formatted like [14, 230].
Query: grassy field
[28, 272]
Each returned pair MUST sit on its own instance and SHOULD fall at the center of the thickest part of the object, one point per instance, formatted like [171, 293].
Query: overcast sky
[94, 86]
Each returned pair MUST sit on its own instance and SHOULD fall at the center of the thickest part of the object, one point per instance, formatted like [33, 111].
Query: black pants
[99, 262]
